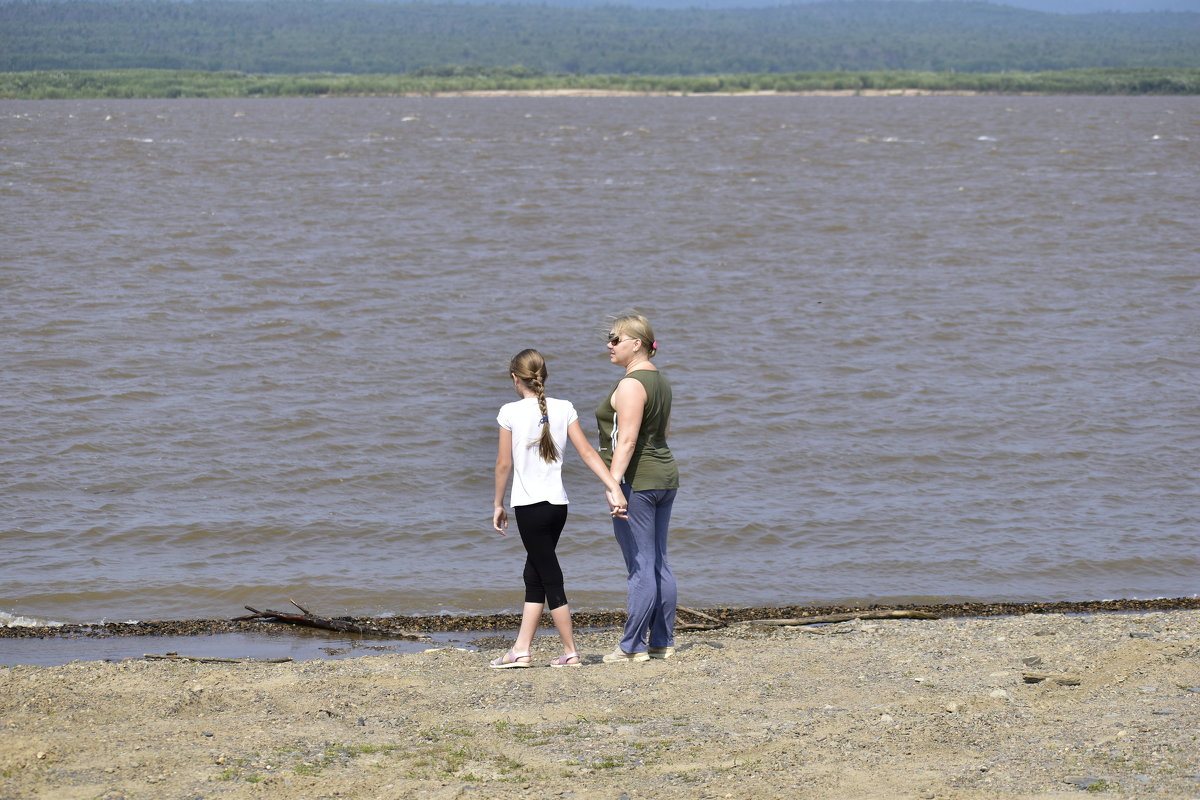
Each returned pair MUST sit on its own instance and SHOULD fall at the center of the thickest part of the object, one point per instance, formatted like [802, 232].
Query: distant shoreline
[117, 84]
[598, 619]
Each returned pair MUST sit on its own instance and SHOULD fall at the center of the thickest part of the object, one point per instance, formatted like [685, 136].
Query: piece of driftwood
[700, 614]
[712, 623]
[310, 620]
[1061, 680]
[696, 626]
[830, 630]
[215, 660]
[847, 617]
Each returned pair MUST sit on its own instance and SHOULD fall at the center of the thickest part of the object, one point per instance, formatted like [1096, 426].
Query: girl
[533, 432]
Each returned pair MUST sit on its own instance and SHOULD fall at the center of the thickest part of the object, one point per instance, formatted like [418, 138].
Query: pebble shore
[596, 619]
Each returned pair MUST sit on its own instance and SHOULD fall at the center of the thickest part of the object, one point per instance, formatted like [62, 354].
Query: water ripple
[921, 349]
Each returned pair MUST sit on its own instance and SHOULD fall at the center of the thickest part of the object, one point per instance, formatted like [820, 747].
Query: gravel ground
[1034, 706]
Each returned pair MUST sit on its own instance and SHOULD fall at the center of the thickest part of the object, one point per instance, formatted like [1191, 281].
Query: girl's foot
[511, 660]
[568, 660]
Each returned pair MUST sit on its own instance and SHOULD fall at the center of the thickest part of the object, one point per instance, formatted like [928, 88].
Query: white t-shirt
[535, 481]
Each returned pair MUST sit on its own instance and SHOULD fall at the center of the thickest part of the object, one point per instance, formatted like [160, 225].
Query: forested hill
[354, 36]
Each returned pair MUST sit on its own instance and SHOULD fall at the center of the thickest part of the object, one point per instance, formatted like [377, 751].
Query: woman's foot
[567, 660]
[511, 660]
[619, 656]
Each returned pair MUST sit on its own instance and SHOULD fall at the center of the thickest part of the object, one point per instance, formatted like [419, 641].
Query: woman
[533, 432]
[633, 421]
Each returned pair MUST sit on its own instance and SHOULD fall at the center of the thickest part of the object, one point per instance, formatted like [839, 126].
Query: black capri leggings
[540, 525]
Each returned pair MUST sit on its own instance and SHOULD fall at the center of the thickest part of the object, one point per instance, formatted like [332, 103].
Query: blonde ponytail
[530, 367]
[546, 446]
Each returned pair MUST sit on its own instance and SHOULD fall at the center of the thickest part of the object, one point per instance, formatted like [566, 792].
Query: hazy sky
[1086, 6]
[1053, 6]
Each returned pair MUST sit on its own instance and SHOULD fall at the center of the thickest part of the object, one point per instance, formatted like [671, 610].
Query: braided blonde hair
[530, 369]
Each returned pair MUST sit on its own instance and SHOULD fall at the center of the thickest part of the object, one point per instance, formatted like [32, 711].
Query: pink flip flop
[511, 660]
[565, 661]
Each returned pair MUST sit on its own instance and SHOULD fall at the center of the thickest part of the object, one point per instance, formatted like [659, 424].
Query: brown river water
[923, 348]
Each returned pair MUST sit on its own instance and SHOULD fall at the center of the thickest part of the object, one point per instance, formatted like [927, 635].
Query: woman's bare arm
[629, 400]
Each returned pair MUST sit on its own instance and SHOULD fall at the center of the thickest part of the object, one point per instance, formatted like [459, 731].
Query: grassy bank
[148, 83]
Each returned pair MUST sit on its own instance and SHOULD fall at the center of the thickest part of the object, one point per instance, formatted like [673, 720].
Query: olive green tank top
[652, 465]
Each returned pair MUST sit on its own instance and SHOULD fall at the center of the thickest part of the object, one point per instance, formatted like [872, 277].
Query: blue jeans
[650, 606]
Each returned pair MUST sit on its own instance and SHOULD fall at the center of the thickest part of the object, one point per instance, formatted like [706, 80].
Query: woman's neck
[642, 364]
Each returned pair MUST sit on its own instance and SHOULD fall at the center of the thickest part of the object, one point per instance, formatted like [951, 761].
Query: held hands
[617, 506]
[500, 519]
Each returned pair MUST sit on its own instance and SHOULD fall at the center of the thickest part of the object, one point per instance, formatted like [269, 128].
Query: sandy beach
[1031, 706]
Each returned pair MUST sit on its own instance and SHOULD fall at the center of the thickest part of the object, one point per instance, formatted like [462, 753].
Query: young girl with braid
[533, 432]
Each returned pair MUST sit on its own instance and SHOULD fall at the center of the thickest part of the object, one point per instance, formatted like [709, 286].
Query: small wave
[8, 620]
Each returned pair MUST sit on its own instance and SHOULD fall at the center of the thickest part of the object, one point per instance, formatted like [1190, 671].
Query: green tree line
[365, 37]
[139, 83]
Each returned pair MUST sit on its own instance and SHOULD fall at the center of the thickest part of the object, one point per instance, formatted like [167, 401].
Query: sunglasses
[615, 339]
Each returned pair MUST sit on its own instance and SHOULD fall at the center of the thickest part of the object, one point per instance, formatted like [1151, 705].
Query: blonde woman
[533, 432]
[633, 422]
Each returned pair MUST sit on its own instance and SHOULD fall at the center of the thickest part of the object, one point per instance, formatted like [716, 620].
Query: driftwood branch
[847, 617]
[303, 610]
[1061, 680]
[211, 659]
[309, 620]
[712, 623]
[716, 623]
[696, 626]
